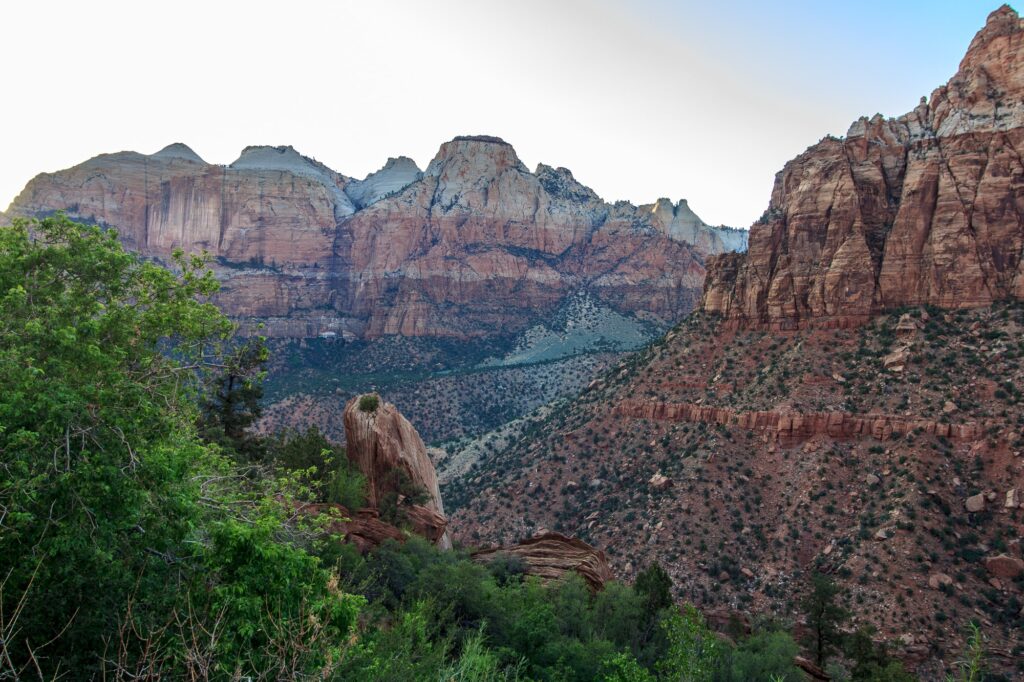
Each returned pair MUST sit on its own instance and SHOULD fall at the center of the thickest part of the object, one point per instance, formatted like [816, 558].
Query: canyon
[846, 401]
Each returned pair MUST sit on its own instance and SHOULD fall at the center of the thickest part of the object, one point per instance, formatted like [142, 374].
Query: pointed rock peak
[400, 163]
[1003, 22]
[559, 182]
[177, 150]
[397, 174]
[681, 211]
[475, 157]
[386, 448]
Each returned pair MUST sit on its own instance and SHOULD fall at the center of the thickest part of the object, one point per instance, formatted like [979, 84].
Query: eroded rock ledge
[797, 426]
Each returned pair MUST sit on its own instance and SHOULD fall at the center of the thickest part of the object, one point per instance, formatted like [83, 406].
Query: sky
[641, 99]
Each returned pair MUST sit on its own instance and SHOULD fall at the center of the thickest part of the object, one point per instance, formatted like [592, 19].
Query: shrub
[369, 402]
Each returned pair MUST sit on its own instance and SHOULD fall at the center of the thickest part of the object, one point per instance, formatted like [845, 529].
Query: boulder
[897, 360]
[660, 482]
[551, 555]
[975, 503]
[937, 580]
[1004, 566]
[1012, 498]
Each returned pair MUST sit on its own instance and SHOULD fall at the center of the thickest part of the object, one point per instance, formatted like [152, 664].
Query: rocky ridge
[927, 208]
[474, 244]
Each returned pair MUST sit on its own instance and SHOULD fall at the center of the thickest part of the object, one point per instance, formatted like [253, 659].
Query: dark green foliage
[123, 538]
[232, 404]
[400, 494]
[871, 660]
[332, 477]
[766, 656]
[824, 617]
[655, 586]
[369, 402]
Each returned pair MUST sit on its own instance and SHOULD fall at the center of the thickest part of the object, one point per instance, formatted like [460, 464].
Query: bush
[369, 402]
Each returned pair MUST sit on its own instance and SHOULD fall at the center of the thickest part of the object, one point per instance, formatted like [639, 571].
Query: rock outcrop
[551, 555]
[927, 208]
[475, 244]
[386, 448]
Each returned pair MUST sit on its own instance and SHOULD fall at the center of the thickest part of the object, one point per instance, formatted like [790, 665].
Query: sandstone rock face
[1012, 498]
[552, 555]
[927, 208]
[385, 447]
[474, 245]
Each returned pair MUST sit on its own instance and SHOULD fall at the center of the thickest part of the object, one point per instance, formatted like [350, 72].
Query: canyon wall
[474, 245]
[927, 208]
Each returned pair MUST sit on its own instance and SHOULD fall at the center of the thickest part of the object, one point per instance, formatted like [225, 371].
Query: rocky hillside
[474, 244]
[927, 208]
[847, 402]
[888, 456]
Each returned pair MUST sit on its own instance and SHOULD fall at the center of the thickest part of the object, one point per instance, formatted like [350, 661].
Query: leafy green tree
[126, 544]
[694, 652]
[655, 586]
[766, 656]
[824, 618]
[622, 667]
[96, 484]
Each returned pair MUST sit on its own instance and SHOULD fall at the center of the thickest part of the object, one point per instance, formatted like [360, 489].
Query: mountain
[476, 245]
[927, 208]
[847, 401]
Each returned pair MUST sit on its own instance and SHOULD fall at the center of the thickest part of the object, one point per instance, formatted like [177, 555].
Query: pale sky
[640, 99]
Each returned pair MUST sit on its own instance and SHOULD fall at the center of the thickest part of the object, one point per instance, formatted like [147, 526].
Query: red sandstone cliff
[927, 208]
[474, 244]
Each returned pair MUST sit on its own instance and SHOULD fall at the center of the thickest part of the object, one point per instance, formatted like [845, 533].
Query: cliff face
[927, 208]
[474, 244]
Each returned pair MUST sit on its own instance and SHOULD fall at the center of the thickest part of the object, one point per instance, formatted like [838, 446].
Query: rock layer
[797, 426]
[551, 555]
[927, 208]
[475, 245]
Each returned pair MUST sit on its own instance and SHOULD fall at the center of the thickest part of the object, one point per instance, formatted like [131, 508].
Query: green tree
[96, 487]
[232, 404]
[332, 477]
[871, 660]
[824, 618]
[694, 652]
[655, 586]
[766, 656]
[126, 544]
